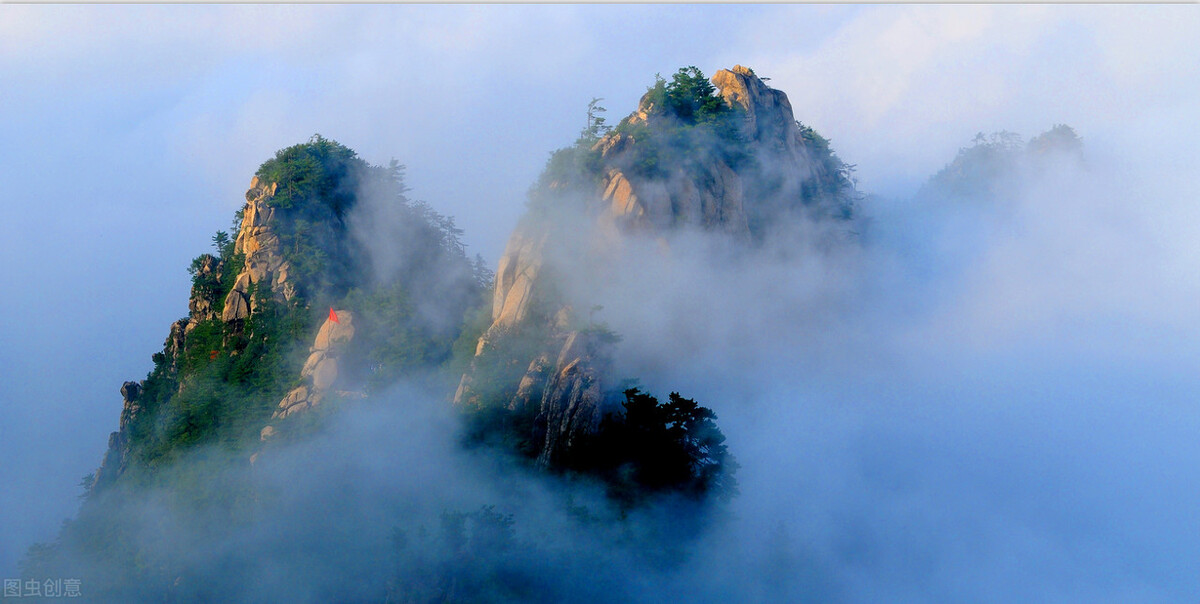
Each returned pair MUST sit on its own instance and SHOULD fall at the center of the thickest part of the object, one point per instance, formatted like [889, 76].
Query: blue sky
[130, 133]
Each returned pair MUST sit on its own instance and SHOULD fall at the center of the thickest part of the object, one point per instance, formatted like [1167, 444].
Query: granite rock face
[320, 371]
[264, 263]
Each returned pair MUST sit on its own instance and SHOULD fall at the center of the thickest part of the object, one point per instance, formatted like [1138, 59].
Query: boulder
[130, 391]
[320, 371]
[325, 374]
[296, 400]
[237, 306]
[333, 334]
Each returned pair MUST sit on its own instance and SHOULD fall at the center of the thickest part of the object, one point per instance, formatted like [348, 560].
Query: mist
[936, 409]
[984, 401]
[979, 409]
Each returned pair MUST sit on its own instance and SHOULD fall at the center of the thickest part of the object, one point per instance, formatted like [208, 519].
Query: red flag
[333, 315]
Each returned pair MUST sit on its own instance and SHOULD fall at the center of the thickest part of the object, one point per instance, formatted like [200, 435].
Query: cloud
[991, 399]
[928, 77]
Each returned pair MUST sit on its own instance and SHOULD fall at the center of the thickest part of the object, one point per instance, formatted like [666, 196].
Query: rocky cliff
[737, 170]
[264, 265]
[116, 458]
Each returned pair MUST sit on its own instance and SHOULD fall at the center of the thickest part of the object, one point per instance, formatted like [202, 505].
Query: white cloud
[165, 111]
[899, 89]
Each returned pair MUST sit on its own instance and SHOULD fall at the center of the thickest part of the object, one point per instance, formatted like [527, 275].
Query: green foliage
[684, 128]
[837, 181]
[214, 276]
[655, 99]
[318, 183]
[320, 172]
[600, 333]
[226, 385]
[649, 449]
[504, 359]
[578, 165]
[223, 385]
[1060, 138]
[814, 141]
[994, 164]
[86, 483]
[202, 405]
[476, 320]
[692, 98]
[231, 267]
[306, 246]
[206, 279]
[391, 339]
[687, 124]
[223, 244]
[207, 337]
[596, 126]
[570, 170]
[485, 277]
[438, 233]
[979, 170]
[655, 448]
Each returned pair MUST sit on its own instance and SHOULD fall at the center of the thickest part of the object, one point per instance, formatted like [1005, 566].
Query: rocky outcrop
[708, 195]
[571, 401]
[786, 172]
[264, 264]
[320, 372]
[116, 458]
[769, 121]
[173, 346]
[201, 302]
[515, 277]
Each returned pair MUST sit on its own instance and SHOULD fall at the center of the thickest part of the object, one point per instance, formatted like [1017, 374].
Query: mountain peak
[724, 155]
